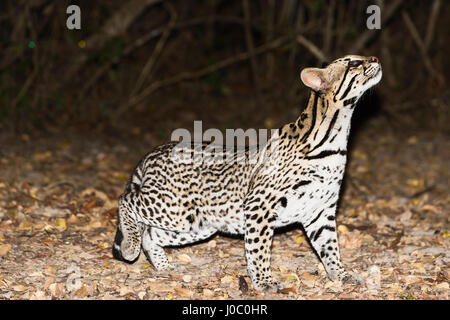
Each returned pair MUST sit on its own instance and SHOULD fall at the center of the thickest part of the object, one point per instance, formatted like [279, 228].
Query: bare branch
[141, 41]
[419, 42]
[158, 48]
[251, 51]
[116, 25]
[199, 73]
[370, 34]
[312, 48]
[432, 23]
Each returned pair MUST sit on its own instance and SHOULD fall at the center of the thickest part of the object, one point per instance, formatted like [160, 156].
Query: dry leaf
[226, 279]
[96, 224]
[208, 293]
[283, 269]
[442, 286]
[308, 279]
[25, 225]
[374, 278]
[287, 290]
[82, 292]
[212, 244]
[321, 297]
[368, 239]
[347, 296]
[343, 229]
[413, 182]
[405, 216]
[47, 283]
[56, 289]
[4, 249]
[309, 283]
[429, 207]
[299, 240]
[19, 288]
[351, 240]
[187, 278]
[88, 206]
[307, 276]
[125, 290]
[183, 292]
[73, 219]
[243, 285]
[184, 258]
[40, 156]
[61, 223]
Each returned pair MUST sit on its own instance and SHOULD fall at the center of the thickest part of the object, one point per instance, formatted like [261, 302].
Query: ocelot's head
[345, 79]
[127, 243]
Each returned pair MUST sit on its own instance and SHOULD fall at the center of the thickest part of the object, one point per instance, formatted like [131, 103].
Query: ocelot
[296, 179]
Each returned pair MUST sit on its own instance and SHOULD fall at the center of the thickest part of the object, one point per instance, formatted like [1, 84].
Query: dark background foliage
[150, 66]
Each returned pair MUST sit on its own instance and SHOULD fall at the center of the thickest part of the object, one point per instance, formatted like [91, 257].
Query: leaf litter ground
[58, 207]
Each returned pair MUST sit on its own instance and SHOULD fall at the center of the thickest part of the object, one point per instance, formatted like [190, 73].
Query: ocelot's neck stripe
[328, 132]
[342, 82]
[350, 101]
[314, 116]
[349, 87]
[323, 114]
[326, 153]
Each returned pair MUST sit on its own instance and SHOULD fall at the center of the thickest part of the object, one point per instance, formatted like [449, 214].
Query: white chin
[374, 80]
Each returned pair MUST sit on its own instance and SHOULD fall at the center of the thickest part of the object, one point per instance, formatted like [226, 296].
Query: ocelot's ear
[314, 78]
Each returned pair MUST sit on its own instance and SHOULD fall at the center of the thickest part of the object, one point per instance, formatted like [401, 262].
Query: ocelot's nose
[374, 59]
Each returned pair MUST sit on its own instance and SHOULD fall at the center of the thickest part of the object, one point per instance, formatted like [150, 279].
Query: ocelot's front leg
[258, 242]
[321, 231]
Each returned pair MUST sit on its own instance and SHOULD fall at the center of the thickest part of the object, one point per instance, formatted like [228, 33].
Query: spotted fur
[296, 178]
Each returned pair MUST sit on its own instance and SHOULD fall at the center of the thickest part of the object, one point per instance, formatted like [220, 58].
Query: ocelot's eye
[354, 63]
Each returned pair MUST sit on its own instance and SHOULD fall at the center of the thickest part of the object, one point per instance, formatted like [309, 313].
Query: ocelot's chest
[316, 188]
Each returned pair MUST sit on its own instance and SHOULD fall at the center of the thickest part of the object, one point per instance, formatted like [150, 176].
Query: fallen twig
[60, 183]
[421, 192]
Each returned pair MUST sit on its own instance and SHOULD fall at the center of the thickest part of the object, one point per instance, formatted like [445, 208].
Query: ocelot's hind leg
[154, 240]
[154, 252]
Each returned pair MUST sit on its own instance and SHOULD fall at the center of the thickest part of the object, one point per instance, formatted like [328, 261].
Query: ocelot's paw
[351, 278]
[164, 266]
[269, 285]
